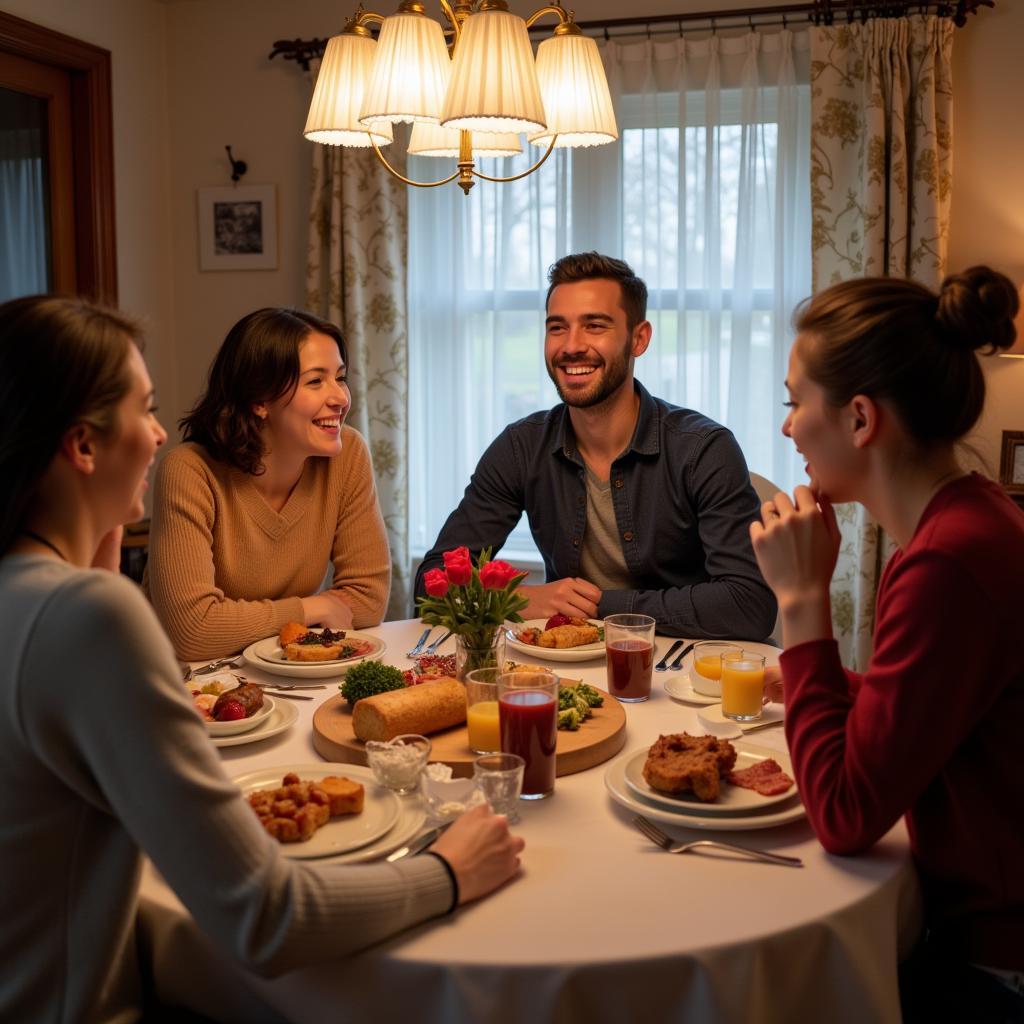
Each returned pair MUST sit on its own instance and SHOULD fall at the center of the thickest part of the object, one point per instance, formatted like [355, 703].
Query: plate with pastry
[708, 775]
[319, 810]
[559, 638]
[311, 653]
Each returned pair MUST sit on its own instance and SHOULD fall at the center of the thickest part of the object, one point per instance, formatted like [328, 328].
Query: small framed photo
[238, 228]
[1011, 464]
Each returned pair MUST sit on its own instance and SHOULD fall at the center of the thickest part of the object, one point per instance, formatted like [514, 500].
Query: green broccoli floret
[369, 678]
[569, 719]
[566, 697]
[594, 697]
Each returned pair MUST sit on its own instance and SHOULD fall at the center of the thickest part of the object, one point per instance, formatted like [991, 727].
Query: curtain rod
[816, 12]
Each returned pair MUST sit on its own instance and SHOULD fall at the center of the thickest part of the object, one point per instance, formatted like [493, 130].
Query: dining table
[600, 924]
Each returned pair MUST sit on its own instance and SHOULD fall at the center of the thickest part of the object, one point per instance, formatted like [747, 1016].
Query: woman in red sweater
[883, 382]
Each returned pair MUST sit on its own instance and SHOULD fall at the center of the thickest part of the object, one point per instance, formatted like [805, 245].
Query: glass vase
[471, 654]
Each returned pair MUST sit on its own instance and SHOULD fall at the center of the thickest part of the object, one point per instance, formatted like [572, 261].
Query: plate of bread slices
[308, 652]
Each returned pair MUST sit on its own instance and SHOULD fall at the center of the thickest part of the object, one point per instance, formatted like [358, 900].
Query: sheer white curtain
[706, 195]
[23, 239]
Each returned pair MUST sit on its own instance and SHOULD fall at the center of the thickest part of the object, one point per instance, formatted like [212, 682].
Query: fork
[419, 643]
[212, 666]
[663, 664]
[432, 649]
[659, 838]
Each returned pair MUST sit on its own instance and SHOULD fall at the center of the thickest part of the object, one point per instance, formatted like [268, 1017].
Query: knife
[285, 693]
[663, 664]
[678, 663]
[417, 845]
[419, 643]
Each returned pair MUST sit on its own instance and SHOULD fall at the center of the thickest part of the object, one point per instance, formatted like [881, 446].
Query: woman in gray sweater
[102, 756]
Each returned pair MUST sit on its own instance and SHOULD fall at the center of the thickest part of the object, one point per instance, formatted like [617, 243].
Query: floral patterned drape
[881, 182]
[358, 241]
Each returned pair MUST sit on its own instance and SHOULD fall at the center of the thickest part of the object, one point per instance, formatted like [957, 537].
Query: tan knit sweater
[225, 569]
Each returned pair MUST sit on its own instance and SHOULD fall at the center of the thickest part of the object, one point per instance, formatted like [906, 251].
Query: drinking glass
[482, 710]
[500, 778]
[743, 687]
[708, 655]
[528, 717]
[629, 645]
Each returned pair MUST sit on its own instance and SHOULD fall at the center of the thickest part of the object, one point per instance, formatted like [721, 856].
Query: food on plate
[765, 777]
[430, 666]
[369, 678]
[241, 702]
[576, 702]
[518, 666]
[435, 705]
[293, 811]
[300, 643]
[568, 632]
[681, 763]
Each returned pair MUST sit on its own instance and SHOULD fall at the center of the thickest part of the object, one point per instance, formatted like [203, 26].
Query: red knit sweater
[934, 728]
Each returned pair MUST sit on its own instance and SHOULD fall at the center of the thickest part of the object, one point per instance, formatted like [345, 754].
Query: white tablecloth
[601, 925]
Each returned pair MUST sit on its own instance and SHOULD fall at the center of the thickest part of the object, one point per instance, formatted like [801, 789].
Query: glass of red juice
[528, 720]
[629, 646]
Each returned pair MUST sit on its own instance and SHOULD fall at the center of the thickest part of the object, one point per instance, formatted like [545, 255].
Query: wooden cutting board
[599, 738]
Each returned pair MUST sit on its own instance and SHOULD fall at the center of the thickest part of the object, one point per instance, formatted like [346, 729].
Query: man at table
[635, 505]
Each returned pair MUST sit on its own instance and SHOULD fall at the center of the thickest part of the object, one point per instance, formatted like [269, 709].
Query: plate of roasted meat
[559, 638]
[306, 652]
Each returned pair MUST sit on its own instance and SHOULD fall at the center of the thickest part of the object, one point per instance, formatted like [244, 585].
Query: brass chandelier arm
[516, 177]
[454, 22]
[556, 9]
[408, 181]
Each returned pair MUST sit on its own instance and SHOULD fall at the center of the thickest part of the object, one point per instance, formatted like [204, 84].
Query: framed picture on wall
[238, 228]
[1011, 464]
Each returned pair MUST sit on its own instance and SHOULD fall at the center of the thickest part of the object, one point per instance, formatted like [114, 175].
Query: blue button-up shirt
[683, 505]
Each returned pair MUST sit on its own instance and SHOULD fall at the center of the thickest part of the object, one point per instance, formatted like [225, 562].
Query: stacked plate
[386, 821]
[268, 656]
[736, 809]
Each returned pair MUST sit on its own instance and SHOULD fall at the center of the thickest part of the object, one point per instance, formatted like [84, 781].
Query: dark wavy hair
[63, 362]
[897, 340]
[589, 266]
[258, 362]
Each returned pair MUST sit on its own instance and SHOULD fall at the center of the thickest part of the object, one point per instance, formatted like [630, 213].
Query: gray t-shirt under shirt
[601, 560]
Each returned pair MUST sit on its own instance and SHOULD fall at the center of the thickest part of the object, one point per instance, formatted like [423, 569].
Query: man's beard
[612, 375]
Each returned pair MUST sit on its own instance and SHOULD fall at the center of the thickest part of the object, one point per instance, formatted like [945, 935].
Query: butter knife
[286, 693]
[678, 663]
[417, 845]
[663, 664]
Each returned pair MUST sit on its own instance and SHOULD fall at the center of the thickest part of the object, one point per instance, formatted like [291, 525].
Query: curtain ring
[714, 27]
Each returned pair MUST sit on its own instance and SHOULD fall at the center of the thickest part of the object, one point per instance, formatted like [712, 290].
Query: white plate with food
[342, 833]
[731, 799]
[778, 814]
[283, 716]
[532, 629]
[227, 706]
[680, 688]
[268, 655]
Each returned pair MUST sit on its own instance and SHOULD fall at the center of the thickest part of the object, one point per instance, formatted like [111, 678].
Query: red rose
[460, 569]
[435, 582]
[496, 575]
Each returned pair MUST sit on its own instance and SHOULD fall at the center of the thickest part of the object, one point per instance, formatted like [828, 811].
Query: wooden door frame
[92, 132]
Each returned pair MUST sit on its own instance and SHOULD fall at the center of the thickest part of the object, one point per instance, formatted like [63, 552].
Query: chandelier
[469, 96]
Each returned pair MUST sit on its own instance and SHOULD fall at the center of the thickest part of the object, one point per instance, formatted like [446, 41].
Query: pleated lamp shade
[410, 71]
[494, 79]
[575, 93]
[333, 113]
[433, 140]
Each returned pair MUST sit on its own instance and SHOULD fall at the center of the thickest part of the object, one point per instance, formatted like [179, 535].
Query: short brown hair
[63, 361]
[258, 362]
[588, 266]
[897, 340]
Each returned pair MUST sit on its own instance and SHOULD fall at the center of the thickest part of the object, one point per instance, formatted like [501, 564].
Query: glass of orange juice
[743, 687]
[708, 656]
[482, 710]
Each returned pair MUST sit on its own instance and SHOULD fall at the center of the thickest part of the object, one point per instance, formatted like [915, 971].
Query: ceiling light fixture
[468, 97]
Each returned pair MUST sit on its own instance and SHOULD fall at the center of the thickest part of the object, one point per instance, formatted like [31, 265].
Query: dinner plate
[267, 655]
[731, 799]
[284, 716]
[781, 814]
[341, 834]
[587, 652]
[681, 688]
[771, 714]
[241, 725]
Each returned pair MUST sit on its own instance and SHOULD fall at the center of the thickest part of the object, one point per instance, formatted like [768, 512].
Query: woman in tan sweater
[268, 490]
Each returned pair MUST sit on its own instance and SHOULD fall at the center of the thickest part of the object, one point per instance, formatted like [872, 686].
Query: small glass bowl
[398, 763]
[447, 798]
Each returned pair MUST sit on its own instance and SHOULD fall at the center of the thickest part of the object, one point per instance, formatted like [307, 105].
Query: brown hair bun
[977, 308]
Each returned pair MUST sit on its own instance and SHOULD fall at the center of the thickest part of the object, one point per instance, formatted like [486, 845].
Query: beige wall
[191, 76]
